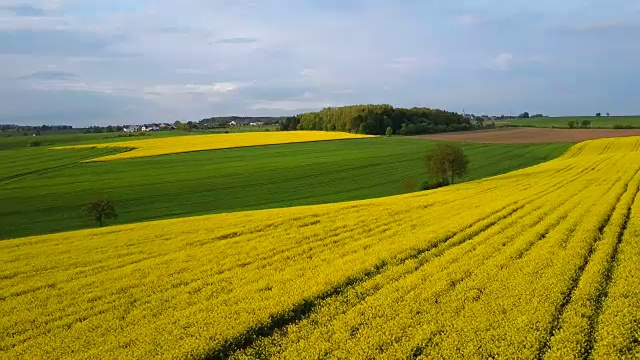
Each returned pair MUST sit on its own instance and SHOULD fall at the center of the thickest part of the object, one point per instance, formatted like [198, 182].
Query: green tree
[524, 115]
[598, 114]
[571, 124]
[389, 131]
[586, 123]
[101, 210]
[445, 162]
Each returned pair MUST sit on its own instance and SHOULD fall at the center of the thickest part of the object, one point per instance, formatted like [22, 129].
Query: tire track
[556, 322]
[603, 292]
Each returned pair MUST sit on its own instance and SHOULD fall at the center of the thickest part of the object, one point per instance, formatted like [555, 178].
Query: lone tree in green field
[586, 123]
[445, 162]
[101, 210]
[571, 124]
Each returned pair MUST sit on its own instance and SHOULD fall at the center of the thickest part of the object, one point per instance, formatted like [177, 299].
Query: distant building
[132, 128]
[233, 123]
[150, 127]
[256, 123]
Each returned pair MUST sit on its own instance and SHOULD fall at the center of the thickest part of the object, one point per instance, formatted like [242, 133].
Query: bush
[571, 124]
[621, 126]
[35, 143]
[389, 131]
[433, 184]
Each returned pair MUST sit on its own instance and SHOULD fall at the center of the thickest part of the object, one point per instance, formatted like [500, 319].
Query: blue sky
[89, 62]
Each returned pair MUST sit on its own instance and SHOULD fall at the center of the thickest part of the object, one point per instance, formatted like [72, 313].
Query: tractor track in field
[574, 282]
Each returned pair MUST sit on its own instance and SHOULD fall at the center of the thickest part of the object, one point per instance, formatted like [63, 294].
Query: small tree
[586, 123]
[389, 131]
[571, 124]
[598, 114]
[608, 114]
[101, 210]
[524, 115]
[445, 162]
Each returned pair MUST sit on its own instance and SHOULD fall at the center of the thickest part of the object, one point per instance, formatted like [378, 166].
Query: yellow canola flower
[180, 144]
[538, 263]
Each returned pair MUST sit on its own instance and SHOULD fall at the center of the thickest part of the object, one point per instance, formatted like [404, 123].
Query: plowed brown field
[531, 135]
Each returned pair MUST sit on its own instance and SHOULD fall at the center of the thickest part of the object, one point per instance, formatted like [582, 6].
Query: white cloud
[191, 93]
[468, 20]
[225, 87]
[292, 105]
[507, 61]
[504, 61]
[599, 26]
[71, 85]
[40, 4]
[412, 64]
[44, 23]
[190, 72]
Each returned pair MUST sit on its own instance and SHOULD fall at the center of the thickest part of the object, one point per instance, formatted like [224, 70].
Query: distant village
[204, 124]
[148, 127]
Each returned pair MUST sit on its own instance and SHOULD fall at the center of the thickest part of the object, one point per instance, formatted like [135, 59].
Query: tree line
[376, 119]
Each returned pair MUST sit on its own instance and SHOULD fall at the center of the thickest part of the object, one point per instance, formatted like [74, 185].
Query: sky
[96, 62]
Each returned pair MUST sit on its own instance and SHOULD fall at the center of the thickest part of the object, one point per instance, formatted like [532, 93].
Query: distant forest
[375, 119]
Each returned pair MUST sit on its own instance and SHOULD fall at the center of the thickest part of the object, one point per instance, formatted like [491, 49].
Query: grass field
[539, 263]
[563, 122]
[44, 191]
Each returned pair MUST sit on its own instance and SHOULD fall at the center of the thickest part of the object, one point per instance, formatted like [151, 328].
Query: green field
[20, 139]
[44, 191]
[563, 122]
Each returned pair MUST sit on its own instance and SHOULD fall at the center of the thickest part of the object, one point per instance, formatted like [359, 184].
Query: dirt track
[531, 135]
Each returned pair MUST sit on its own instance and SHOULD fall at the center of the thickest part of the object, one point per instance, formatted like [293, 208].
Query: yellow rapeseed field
[541, 263]
[180, 144]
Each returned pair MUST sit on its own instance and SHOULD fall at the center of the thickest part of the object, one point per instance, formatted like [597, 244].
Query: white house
[233, 123]
[132, 128]
[256, 123]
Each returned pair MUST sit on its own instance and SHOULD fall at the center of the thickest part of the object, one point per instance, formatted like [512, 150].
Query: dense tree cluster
[376, 119]
[13, 127]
